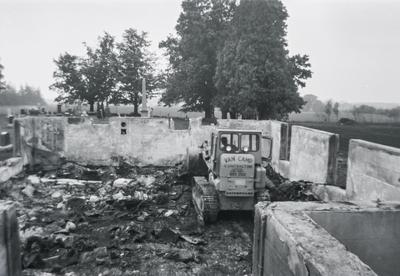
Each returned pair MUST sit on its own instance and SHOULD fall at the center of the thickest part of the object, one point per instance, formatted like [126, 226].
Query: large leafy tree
[135, 63]
[255, 73]
[201, 31]
[92, 78]
[69, 81]
[100, 72]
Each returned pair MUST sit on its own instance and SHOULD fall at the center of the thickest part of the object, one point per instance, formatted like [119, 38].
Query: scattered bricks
[10, 258]
[4, 139]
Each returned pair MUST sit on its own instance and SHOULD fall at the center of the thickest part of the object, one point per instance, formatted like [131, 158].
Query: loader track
[205, 200]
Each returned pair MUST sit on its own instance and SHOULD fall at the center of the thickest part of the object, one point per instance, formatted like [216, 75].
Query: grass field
[384, 134]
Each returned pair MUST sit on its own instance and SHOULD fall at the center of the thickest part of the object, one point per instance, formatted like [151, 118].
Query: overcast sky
[354, 45]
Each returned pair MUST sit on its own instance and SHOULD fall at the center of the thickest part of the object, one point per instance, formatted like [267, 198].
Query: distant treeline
[25, 95]
[366, 109]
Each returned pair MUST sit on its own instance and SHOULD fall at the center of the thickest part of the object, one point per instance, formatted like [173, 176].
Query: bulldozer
[236, 177]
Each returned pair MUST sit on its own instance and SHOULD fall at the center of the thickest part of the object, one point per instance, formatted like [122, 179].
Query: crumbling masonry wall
[139, 141]
[373, 172]
[154, 141]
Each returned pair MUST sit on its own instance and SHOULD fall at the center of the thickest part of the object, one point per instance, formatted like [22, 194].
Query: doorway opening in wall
[286, 131]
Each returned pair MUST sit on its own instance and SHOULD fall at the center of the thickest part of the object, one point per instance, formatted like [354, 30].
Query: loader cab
[229, 143]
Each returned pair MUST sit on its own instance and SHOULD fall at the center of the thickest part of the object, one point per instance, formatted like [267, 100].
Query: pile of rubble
[286, 190]
[122, 221]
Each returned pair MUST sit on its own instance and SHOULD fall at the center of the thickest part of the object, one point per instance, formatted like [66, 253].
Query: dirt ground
[141, 224]
[127, 220]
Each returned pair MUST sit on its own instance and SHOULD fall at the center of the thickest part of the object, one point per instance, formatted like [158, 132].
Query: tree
[135, 63]
[329, 109]
[201, 31]
[69, 81]
[100, 72]
[26, 95]
[335, 110]
[92, 78]
[313, 104]
[2, 83]
[254, 68]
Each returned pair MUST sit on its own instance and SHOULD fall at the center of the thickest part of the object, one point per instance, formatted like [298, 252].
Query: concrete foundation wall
[138, 141]
[373, 172]
[313, 155]
[154, 141]
[288, 242]
[376, 241]
[10, 256]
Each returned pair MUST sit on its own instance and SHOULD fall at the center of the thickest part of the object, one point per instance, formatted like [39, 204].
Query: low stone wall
[373, 172]
[288, 242]
[313, 155]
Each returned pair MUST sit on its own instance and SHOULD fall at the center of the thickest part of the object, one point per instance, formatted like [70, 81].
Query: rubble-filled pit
[127, 221]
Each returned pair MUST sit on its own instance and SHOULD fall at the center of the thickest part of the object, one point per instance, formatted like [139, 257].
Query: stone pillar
[10, 255]
[144, 111]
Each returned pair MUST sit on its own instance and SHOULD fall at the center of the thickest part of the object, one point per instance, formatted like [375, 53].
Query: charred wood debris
[128, 220]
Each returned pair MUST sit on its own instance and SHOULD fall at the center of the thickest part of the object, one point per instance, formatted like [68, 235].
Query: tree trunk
[224, 114]
[135, 105]
[91, 104]
[209, 111]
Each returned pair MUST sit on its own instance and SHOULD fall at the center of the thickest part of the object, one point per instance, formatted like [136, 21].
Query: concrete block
[373, 172]
[10, 167]
[10, 256]
[313, 155]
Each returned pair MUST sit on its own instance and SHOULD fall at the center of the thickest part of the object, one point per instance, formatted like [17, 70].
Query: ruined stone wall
[139, 141]
[40, 140]
[373, 172]
[154, 141]
[313, 155]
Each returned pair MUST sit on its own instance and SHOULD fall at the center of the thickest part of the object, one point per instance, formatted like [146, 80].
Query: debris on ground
[81, 220]
[285, 190]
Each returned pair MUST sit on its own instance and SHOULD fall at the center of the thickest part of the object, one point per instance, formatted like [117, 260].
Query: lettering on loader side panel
[237, 165]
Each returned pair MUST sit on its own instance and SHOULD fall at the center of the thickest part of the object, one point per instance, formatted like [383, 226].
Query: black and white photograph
[199, 137]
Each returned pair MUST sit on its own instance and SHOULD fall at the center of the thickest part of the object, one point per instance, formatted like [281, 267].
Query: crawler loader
[236, 177]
